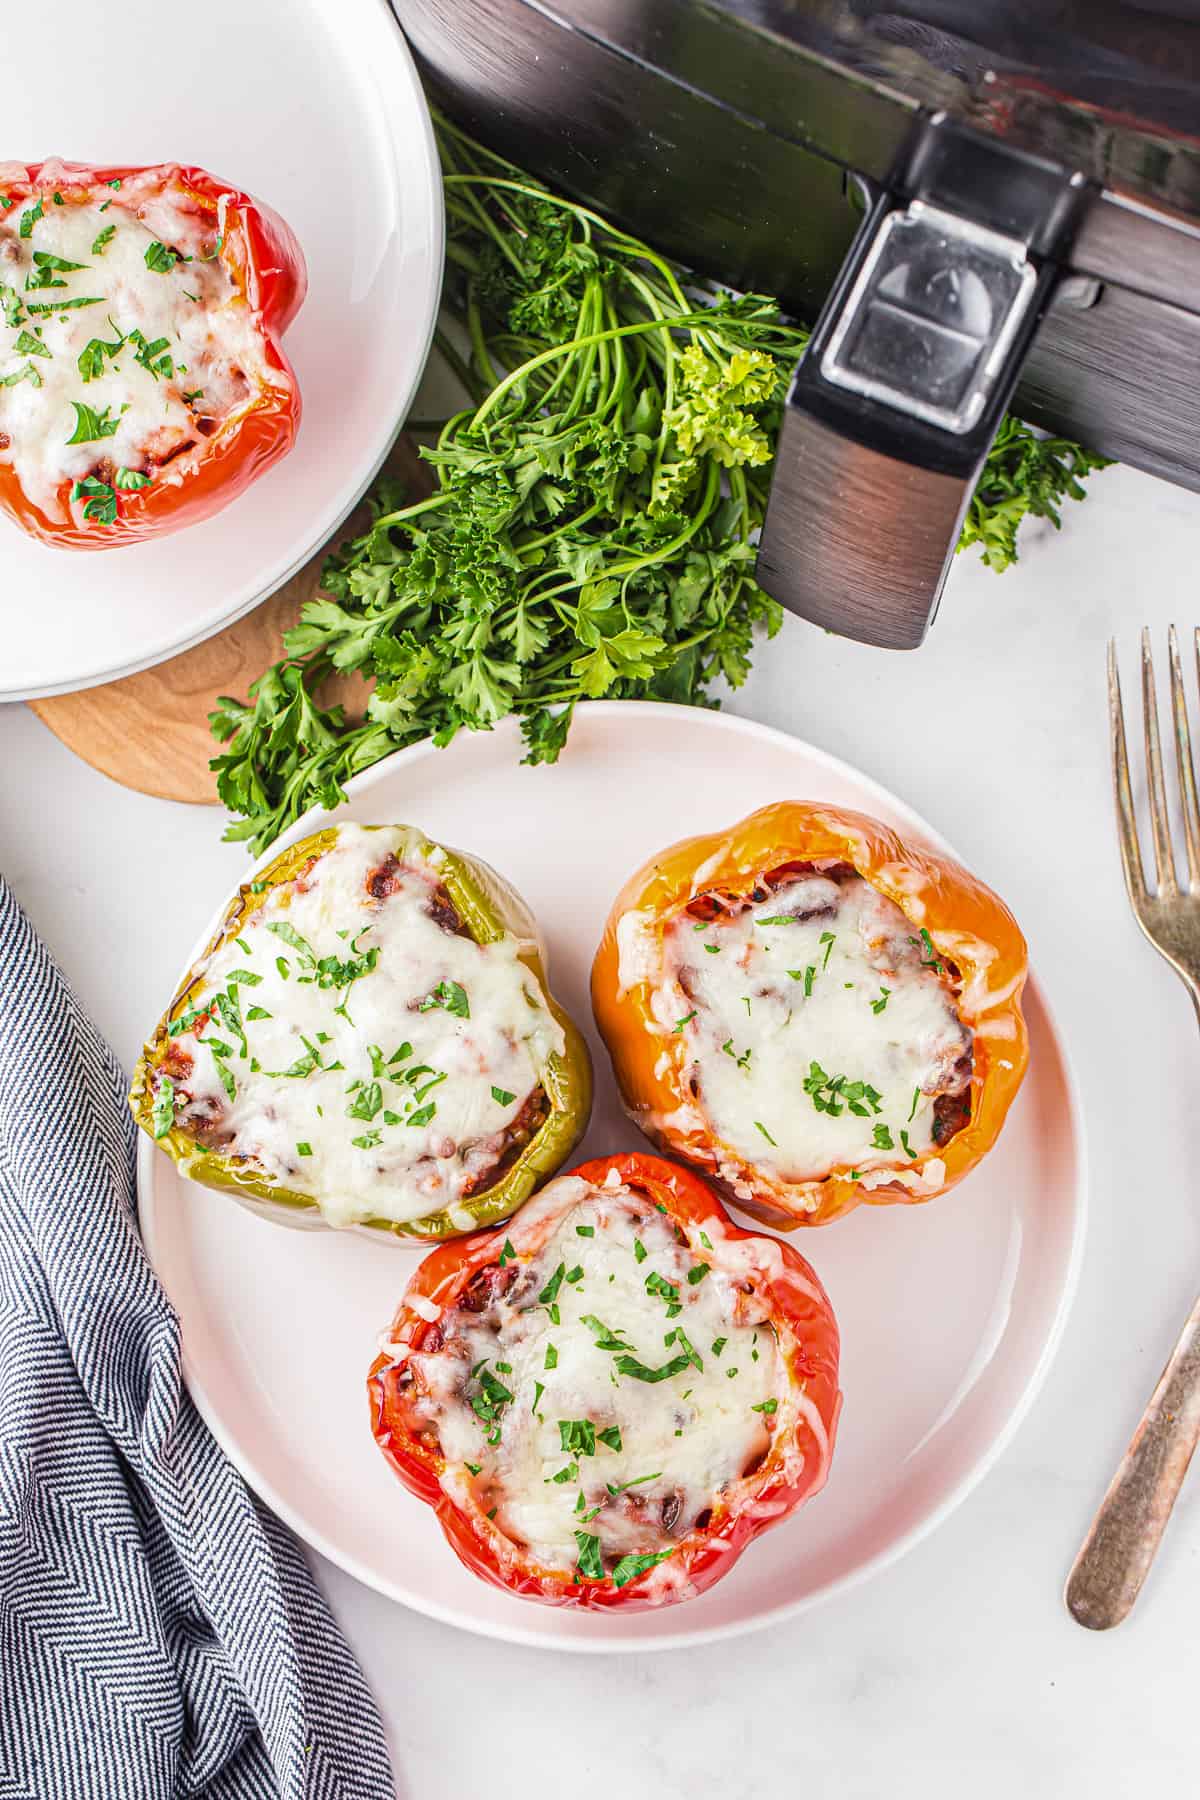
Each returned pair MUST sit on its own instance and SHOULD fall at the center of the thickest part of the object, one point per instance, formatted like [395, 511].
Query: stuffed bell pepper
[606, 1402]
[813, 1011]
[369, 1040]
[143, 383]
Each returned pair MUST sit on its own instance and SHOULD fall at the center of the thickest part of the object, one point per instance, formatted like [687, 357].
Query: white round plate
[315, 109]
[949, 1312]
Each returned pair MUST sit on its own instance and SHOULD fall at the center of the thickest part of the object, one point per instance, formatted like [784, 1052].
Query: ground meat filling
[354, 1041]
[821, 1028]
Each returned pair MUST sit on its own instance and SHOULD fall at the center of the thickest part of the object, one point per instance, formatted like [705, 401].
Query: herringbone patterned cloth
[160, 1633]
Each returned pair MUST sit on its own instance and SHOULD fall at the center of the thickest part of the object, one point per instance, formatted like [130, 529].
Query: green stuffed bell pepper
[368, 1040]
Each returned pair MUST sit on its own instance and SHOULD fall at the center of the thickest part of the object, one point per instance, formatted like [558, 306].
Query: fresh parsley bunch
[592, 531]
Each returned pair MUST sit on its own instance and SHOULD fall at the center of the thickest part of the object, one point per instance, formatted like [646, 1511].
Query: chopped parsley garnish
[58, 306]
[101, 501]
[779, 919]
[629, 1365]
[766, 1406]
[885, 994]
[226, 1075]
[630, 1567]
[713, 949]
[490, 1401]
[591, 1564]
[759, 1126]
[46, 268]
[451, 996]
[303, 1149]
[539, 1388]
[718, 1345]
[730, 1373]
[474, 1467]
[507, 1254]
[585, 1231]
[577, 1437]
[28, 373]
[611, 1436]
[697, 1273]
[619, 1487]
[883, 1139]
[423, 1115]
[127, 479]
[30, 218]
[502, 1097]
[103, 239]
[908, 1149]
[551, 1361]
[658, 1284]
[605, 1337]
[91, 425]
[28, 345]
[370, 1140]
[686, 1020]
[549, 1294]
[367, 1102]
[160, 258]
[400, 1054]
[570, 1473]
[163, 1116]
[833, 1094]
[639, 1250]
[151, 355]
[283, 929]
[912, 1111]
[930, 959]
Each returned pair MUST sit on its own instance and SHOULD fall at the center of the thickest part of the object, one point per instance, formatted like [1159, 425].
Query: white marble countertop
[959, 1666]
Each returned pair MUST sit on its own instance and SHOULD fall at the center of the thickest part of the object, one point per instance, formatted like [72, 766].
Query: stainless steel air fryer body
[971, 198]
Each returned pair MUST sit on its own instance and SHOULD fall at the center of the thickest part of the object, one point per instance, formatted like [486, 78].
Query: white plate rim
[883, 1559]
[405, 83]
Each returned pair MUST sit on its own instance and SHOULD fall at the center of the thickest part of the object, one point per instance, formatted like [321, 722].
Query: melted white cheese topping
[198, 358]
[818, 1028]
[578, 1423]
[378, 1096]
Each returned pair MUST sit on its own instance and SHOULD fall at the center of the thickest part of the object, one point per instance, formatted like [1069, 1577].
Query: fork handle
[1125, 1534]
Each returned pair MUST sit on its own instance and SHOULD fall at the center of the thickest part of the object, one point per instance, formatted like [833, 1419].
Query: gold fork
[1126, 1532]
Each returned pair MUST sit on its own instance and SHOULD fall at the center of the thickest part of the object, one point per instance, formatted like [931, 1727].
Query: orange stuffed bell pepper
[143, 383]
[608, 1398]
[813, 1011]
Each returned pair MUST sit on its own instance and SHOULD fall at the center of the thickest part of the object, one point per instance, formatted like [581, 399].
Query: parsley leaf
[163, 1116]
[591, 1563]
[91, 425]
[630, 1567]
[593, 523]
[161, 258]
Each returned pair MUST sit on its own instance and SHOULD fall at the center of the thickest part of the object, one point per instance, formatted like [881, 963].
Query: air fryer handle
[905, 381]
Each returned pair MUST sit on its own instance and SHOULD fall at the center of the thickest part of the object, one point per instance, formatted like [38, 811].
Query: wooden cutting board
[150, 731]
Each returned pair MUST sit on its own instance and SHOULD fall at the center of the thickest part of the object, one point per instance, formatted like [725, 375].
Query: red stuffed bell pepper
[813, 1011]
[143, 384]
[607, 1399]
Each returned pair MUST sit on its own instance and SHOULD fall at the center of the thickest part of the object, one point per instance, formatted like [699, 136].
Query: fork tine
[1160, 825]
[1183, 757]
[1131, 856]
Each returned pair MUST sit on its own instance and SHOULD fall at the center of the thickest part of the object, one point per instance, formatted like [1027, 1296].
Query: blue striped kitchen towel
[160, 1632]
